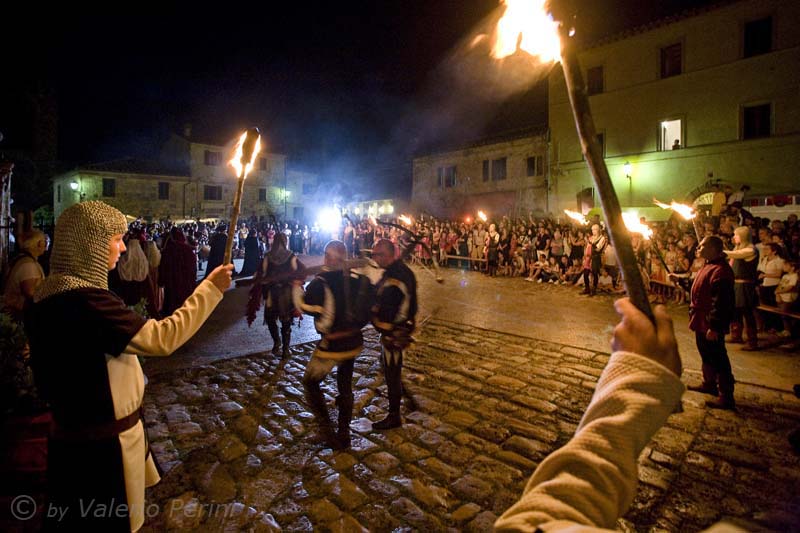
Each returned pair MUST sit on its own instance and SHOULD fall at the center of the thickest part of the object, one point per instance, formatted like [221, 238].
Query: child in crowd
[786, 294]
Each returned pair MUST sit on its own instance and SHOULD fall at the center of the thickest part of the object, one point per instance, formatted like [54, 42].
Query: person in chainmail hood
[83, 342]
[279, 263]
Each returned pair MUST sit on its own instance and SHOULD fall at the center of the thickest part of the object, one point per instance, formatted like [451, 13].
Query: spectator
[177, 273]
[24, 274]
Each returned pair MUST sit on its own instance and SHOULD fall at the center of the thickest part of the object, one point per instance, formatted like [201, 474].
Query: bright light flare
[631, 221]
[577, 217]
[482, 216]
[329, 220]
[405, 219]
[527, 26]
[686, 211]
[236, 162]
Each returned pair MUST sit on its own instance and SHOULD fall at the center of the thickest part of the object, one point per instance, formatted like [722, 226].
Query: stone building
[708, 95]
[504, 176]
[191, 179]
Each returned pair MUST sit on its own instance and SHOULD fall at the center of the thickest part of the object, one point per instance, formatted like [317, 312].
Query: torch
[685, 211]
[247, 148]
[576, 217]
[535, 32]
[482, 216]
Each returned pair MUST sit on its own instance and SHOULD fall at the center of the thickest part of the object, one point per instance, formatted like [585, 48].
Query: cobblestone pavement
[241, 451]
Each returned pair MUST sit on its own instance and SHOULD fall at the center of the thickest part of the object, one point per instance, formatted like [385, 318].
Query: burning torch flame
[240, 152]
[405, 219]
[631, 221]
[577, 217]
[527, 22]
[482, 216]
[687, 212]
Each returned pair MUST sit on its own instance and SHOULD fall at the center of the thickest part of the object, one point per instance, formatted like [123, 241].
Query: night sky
[380, 77]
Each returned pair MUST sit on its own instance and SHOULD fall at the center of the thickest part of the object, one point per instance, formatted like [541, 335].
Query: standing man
[217, 243]
[394, 315]
[710, 313]
[279, 262]
[339, 300]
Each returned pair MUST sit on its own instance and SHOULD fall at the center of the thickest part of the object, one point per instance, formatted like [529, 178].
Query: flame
[577, 217]
[686, 211]
[634, 226]
[405, 219]
[236, 162]
[482, 216]
[527, 22]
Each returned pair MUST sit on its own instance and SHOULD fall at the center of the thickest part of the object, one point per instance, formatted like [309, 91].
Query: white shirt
[26, 268]
[772, 267]
[788, 281]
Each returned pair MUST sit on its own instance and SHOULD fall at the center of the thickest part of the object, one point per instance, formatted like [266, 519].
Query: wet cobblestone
[241, 451]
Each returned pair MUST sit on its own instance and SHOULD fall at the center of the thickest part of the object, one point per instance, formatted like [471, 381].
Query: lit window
[670, 136]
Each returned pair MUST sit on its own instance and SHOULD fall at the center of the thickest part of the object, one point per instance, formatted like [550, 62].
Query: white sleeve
[591, 481]
[162, 337]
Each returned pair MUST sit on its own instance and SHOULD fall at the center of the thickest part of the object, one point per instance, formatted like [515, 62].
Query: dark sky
[355, 77]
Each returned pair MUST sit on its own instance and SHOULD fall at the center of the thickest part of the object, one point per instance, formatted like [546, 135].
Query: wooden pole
[237, 202]
[620, 237]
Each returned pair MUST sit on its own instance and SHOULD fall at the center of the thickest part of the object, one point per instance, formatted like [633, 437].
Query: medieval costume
[744, 261]
[84, 342]
[279, 263]
[131, 279]
[593, 259]
[339, 302]
[711, 309]
[394, 316]
[252, 254]
[492, 252]
[177, 272]
[217, 243]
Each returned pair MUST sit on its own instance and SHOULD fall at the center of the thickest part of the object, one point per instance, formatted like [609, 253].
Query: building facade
[710, 95]
[505, 177]
[191, 180]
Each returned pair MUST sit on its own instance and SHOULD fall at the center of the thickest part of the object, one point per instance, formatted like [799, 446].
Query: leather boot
[286, 333]
[345, 404]
[725, 399]
[752, 341]
[395, 391]
[276, 340]
[316, 402]
[709, 385]
[736, 334]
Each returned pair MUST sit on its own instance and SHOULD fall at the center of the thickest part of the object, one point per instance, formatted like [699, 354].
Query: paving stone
[346, 493]
[472, 488]
[460, 419]
[530, 448]
[506, 382]
[346, 524]
[466, 512]
[409, 452]
[342, 461]
[228, 408]
[323, 511]
[381, 462]
[229, 448]
[440, 470]
[217, 483]
[516, 460]
[184, 512]
[483, 522]
[186, 429]
[246, 428]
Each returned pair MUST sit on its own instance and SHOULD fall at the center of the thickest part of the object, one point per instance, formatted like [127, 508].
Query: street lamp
[73, 185]
[627, 168]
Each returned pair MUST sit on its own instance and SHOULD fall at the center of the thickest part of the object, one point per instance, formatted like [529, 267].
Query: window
[163, 190]
[499, 169]
[262, 163]
[670, 137]
[446, 176]
[758, 37]
[535, 165]
[213, 159]
[585, 200]
[212, 192]
[58, 194]
[298, 213]
[671, 64]
[109, 187]
[262, 195]
[308, 188]
[485, 170]
[594, 80]
[756, 121]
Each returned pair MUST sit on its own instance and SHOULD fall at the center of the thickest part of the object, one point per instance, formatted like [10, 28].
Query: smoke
[467, 92]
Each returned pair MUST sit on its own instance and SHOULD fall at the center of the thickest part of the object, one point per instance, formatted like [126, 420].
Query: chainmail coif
[80, 248]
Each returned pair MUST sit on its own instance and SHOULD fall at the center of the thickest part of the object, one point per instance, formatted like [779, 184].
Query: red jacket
[712, 299]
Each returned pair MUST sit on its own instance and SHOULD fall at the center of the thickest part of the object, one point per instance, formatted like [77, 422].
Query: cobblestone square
[241, 451]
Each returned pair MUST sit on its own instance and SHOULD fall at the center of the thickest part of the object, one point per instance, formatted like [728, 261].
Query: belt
[744, 281]
[98, 431]
[341, 334]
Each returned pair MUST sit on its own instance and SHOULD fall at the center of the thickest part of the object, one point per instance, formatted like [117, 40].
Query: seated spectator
[786, 294]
